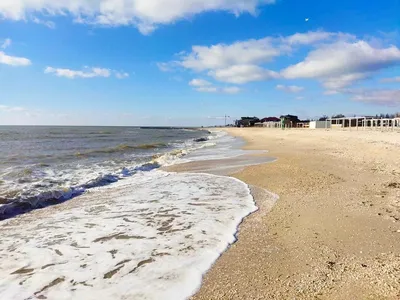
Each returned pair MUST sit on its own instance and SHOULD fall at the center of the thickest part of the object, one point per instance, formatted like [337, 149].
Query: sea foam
[150, 236]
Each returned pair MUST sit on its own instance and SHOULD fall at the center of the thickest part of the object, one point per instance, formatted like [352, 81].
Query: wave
[123, 148]
[101, 132]
[13, 206]
[15, 202]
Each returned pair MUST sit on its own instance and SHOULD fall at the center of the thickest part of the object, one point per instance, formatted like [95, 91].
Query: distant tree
[338, 116]
[247, 121]
[323, 118]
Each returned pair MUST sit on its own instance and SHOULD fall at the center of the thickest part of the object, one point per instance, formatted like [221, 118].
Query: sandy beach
[334, 233]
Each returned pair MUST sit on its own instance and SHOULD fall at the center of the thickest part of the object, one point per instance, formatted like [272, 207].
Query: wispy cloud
[5, 108]
[121, 75]
[207, 89]
[199, 82]
[205, 86]
[376, 96]
[166, 67]
[241, 74]
[85, 73]
[13, 60]
[10, 59]
[6, 43]
[313, 37]
[48, 24]
[289, 88]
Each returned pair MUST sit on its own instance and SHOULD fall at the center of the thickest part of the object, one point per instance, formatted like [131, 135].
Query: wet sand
[334, 233]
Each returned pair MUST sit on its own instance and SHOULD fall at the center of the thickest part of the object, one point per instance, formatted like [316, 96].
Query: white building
[320, 124]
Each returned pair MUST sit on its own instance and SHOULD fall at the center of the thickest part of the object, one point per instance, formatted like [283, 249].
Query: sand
[334, 233]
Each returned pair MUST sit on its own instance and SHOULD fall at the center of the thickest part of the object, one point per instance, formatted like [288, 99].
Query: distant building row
[288, 120]
[338, 121]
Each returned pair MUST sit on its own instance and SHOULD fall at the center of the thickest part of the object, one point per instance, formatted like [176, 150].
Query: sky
[191, 62]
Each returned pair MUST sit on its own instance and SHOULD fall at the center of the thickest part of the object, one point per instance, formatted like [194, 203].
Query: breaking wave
[17, 202]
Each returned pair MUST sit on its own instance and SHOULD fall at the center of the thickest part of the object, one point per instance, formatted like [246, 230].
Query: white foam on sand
[150, 236]
[220, 145]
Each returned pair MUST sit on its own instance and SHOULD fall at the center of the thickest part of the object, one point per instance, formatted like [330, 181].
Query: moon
[307, 19]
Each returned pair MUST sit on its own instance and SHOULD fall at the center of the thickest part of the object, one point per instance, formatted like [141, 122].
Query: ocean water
[128, 230]
[40, 165]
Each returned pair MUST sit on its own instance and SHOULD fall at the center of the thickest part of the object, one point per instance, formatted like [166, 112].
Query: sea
[87, 213]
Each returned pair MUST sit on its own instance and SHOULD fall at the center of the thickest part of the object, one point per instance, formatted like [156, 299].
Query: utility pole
[220, 118]
[225, 118]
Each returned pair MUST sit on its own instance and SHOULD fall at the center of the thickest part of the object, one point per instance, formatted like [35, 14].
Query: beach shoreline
[144, 234]
[333, 233]
[327, 224]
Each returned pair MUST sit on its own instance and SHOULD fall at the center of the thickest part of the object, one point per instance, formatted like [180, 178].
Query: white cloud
[242, 61]
[299, 98]
[202, 85]
[13, 60]
[199, 82]
[249, 52]
[340, 64]
[338, 59]
[312, 37]
[85, 73]
[307, 38]
[379, 97]
[121, 75]
[213, 89]
[340, 82]
[166, 67]
[222, 56]
[6, 43]
[388, 80]
[290, 88]
[240, 74]
[145, 14]
[207, 89]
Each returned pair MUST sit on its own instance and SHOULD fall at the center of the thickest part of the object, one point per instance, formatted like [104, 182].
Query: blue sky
[174, 62]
